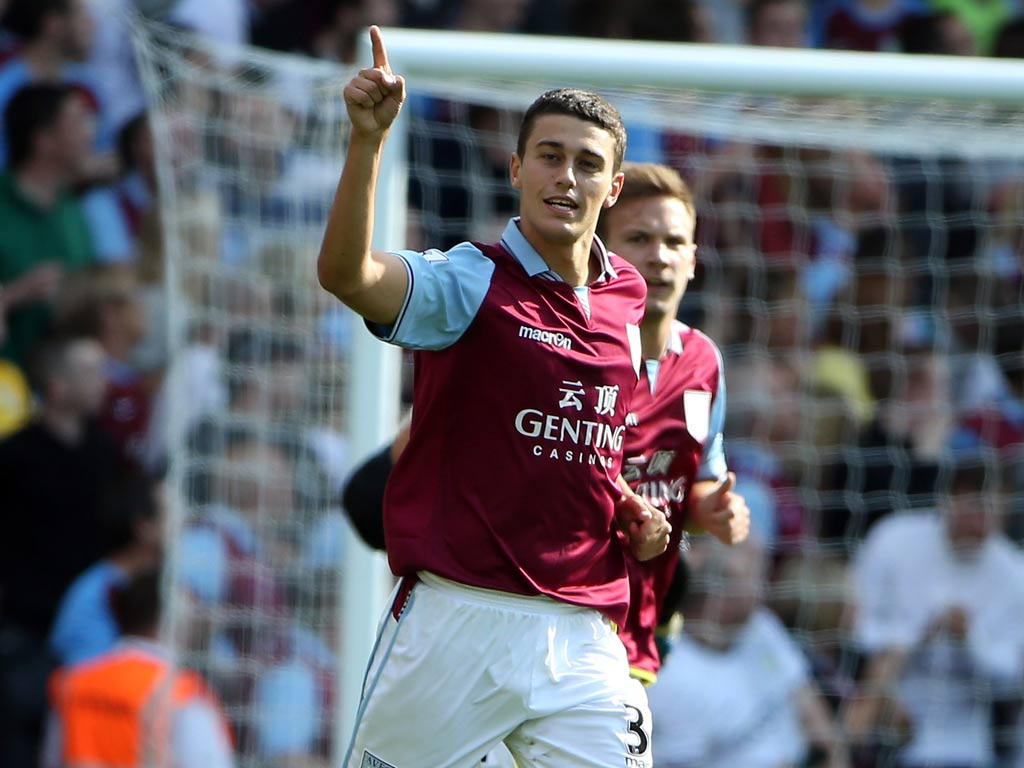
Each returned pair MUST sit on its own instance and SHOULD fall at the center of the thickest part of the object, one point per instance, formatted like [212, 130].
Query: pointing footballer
[527, 353]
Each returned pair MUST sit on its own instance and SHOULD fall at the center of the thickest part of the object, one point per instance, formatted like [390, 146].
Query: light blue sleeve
[287, 709]
[712, 463]
[445, 292]
[110, 237]
[84, 627]
[13, 75]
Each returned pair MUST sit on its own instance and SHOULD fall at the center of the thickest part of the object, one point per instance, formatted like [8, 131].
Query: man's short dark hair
[25, 18]
[971, 473]
[124, 503]
[127, 136]
[582, 105]
[32, 109]
[48, 360]
[137, 605]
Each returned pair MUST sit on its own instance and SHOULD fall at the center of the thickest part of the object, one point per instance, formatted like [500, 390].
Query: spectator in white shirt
[940, 600]
[736, 690]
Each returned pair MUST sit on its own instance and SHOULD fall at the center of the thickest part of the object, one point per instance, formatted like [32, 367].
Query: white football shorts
[462, 669]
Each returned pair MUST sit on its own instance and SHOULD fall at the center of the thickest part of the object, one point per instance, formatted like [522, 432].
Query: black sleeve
[673, 602]
[363, 497]
[1005, 718]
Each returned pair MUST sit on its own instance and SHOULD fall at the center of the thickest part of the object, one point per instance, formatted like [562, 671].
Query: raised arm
[372, 283]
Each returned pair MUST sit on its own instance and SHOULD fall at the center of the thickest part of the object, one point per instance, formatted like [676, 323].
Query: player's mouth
[563, 206]
[659, 284]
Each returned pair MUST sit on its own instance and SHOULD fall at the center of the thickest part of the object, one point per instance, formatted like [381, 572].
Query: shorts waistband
[525, 603]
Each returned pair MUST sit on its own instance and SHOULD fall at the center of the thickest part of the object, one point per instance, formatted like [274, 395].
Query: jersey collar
[534, 263]
[675, 338]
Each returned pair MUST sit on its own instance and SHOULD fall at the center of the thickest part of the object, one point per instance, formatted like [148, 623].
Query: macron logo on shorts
[372, 761]
[545, 337]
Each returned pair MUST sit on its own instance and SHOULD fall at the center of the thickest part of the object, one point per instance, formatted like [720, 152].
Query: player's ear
[617, 181]
[691, 266]
[514, 166]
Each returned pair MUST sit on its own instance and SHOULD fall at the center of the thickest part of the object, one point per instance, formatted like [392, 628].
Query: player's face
[565, 178]
[655, 235]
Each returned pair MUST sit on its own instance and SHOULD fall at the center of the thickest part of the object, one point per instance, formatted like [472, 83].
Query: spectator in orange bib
[132, 706]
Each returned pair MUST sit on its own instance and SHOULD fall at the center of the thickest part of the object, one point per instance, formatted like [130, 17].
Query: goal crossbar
[703, 66]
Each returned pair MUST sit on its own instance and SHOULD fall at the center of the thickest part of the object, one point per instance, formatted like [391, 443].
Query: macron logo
[545, 337]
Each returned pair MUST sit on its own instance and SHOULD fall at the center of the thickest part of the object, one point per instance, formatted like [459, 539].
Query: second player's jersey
[522, 387]
[673, 438]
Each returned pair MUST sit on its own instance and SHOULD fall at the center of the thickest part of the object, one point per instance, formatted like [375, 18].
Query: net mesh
[249, 151]
[860, 265]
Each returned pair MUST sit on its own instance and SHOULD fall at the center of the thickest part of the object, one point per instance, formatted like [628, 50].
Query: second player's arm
[714, 506]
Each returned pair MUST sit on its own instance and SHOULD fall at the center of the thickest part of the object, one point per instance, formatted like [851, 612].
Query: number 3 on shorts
[636, 728]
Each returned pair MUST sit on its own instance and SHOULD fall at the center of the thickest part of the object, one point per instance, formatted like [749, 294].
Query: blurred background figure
[939, 599]
[736, 690]
[131, 522]
[131, 705]
[45, 233]
[53, 473]
[777, 23]
[105, 305]
[862, 25]
[55, 39]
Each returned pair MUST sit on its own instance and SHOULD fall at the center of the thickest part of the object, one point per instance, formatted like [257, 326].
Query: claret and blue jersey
[522, 387]
[673, 439]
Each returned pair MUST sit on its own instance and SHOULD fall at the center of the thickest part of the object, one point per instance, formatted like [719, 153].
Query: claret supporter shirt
[522, 387]
[673, 438]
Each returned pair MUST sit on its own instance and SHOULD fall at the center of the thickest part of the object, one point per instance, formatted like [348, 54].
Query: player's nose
[657, 257]
[565, 175]
[665, 254]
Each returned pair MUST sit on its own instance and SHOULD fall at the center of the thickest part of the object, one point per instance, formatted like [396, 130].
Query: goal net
[860, 264]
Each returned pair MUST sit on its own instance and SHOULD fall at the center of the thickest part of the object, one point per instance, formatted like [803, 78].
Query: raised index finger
[380, 55]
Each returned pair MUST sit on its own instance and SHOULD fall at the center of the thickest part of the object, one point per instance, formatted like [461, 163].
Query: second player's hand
[375, 95]
[716, 508]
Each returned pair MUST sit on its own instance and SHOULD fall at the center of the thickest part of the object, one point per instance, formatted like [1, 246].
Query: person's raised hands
[375, 95]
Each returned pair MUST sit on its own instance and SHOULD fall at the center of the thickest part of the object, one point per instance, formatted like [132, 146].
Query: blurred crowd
[870, 310]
